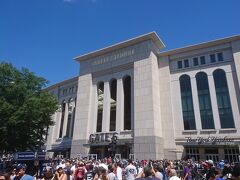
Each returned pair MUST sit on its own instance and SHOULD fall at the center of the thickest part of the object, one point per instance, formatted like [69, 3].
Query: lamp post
[113, 145]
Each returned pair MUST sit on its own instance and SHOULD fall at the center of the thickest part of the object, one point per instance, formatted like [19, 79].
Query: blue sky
[45, 35]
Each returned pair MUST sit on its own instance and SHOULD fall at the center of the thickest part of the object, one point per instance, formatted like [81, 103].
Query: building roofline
[61, 83]
[200, 45]
[149, 36]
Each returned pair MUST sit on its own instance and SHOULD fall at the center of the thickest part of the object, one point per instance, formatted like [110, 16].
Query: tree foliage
[25, 109]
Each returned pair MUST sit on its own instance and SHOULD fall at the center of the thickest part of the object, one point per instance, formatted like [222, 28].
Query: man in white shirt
[118, 171]
[130, 171]
[173, 175]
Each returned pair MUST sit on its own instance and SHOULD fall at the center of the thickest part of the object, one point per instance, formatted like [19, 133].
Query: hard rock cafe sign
[213, 140]
[102, 137]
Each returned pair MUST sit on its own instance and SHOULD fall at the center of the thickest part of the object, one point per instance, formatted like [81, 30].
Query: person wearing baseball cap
[21, 175]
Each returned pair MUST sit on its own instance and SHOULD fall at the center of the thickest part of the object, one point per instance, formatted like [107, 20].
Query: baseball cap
[21, 166]
[210, 162]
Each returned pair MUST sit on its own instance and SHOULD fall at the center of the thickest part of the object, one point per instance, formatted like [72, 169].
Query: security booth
[33, 160]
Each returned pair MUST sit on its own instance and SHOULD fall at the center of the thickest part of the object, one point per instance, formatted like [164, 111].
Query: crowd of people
[115, 169]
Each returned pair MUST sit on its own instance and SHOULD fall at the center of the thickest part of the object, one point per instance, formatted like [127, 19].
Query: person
[111, 174]
[47, 175]
[157, 169]
[147, 174]
[130, 171]
[89, 174]
[221, 164]
[80, 172]
[236, 172]
[187, 172]
[60, 174]
[103, 173]
[4, 176]
[173, 175]
[21, 173]
[118, 170]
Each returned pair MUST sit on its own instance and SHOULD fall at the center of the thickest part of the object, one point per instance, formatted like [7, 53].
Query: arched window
[223, 99]
[204, 101]
[187, 103]
[127, 102]
[113, 100]
[62, 119]
[100, 93]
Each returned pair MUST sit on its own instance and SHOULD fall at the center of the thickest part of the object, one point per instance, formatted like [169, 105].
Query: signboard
[41, 155]
[102, 137]
[212, 140]
[29, 155]
[24, 156]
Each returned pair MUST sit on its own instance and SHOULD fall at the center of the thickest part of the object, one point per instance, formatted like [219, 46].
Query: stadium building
[134, 99]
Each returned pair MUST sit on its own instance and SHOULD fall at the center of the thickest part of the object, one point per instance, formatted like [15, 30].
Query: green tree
[25, 109]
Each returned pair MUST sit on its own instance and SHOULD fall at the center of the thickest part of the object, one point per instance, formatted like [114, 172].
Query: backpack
[80, 173]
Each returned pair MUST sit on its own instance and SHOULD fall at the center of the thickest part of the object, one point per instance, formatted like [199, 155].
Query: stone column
[93, 127]
[236, 58]
[106, 108]
[148, 141]
[58, 122]
[50, 135]
[213, 98]
[196, 104]
[72, 118]
[120, 106]
[83, 116]
[65, 120]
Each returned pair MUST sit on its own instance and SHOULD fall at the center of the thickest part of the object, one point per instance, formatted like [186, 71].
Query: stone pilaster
[120, 106]
[106, 108]
[82, 117]
[213, 98]
[196, 104]
[148, 142]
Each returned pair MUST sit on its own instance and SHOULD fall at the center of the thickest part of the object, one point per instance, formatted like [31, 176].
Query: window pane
[195, 61]
[212, 58]
[204, 101]
[179, 64]
[186, 63]
[187, 103]
[223, 99]
[127, 102]
[202, 60]
[220, 56]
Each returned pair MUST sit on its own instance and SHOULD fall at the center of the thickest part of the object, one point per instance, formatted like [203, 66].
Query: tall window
[204, 101]
[223, 99]
[100, 93]
[62, 119]
[113, 91]
[187, 103]
[127, 102]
